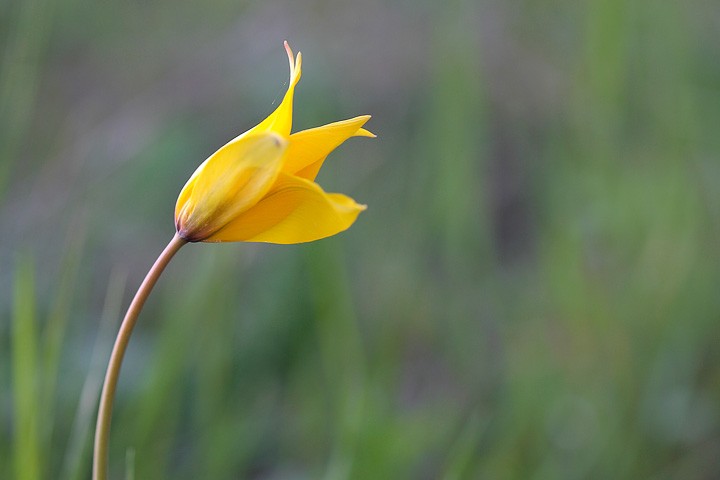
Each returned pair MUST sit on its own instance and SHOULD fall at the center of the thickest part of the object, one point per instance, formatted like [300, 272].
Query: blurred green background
[533, 292]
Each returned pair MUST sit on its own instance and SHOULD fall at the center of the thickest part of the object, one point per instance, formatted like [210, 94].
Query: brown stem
[102, 429]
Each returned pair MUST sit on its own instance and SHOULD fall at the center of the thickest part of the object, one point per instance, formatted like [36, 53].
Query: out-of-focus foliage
[532, 293]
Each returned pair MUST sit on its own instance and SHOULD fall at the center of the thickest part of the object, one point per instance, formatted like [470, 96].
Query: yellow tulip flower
[260, 187]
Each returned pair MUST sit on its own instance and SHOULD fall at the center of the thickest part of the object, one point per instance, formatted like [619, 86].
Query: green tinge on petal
[295, 210]
[308, 148]
[231, 181]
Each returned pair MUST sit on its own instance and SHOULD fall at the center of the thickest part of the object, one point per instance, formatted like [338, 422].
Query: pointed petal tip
[295, 62]
[361, 119]
[361, 131]
[365, 133]
[289, 51]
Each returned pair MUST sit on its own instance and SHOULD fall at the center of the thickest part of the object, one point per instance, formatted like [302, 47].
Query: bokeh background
[533, 292]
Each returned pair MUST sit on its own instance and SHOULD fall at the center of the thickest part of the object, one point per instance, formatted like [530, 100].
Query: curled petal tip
[295, 62]
[290, 54]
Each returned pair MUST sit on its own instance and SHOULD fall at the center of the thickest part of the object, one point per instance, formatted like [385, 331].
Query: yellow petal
[231, 181]
[295, 210]
[308, 148]
[280, 121]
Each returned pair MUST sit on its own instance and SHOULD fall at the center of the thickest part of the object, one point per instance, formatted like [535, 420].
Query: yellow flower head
[259, 187]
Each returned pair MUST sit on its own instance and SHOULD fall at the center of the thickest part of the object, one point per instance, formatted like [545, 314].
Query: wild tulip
[259, 187]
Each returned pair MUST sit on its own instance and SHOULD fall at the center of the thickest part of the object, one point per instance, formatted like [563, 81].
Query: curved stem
[102, 429]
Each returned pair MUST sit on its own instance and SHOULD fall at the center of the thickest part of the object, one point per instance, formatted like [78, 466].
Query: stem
[102, 429]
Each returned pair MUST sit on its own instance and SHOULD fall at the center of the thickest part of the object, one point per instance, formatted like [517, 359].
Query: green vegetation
[533, 293]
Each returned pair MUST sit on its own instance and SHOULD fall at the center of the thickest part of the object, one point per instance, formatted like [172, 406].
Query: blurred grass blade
[130, 464]
[458, 213]
[74, 463]
[56, 327]
[26, 452]
[21, 62]
[341, 349]
[463, 451]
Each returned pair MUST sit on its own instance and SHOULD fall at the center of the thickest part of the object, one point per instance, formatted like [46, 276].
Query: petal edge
[295, 210]
[309, 148]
